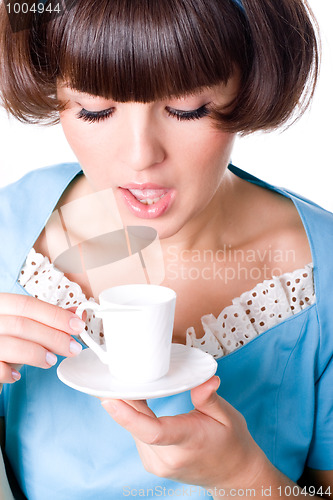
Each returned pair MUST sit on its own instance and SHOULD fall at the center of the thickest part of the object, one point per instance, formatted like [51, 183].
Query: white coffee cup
[138, 325]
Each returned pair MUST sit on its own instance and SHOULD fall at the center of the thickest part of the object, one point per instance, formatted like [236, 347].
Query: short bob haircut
[144, 50]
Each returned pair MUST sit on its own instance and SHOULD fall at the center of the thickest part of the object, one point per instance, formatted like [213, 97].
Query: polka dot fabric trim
[42, 280]
[254, 312]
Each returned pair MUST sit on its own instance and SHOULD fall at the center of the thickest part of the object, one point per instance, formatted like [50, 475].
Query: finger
[53, 340]
[8, 374]
[71, 309]
[141, 406]
[38, 310]
[149, 429]
[207, 401]
[19, 351]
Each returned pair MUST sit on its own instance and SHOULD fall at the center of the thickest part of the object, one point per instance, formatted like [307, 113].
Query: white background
[299, 158]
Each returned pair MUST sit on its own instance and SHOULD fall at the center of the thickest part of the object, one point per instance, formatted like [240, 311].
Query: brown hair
[143, 50]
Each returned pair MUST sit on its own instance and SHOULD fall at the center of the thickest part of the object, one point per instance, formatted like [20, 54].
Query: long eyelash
[94, 116]
[98, 116]
[188, 115]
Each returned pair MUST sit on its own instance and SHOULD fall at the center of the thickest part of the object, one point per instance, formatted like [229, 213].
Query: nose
[141, 142]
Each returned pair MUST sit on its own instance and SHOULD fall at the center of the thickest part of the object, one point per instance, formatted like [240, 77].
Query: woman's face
[164, 160]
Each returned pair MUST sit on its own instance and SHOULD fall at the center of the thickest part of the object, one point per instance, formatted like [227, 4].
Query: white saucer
[189, 367]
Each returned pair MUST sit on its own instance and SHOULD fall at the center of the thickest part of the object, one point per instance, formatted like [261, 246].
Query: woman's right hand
[32, 332]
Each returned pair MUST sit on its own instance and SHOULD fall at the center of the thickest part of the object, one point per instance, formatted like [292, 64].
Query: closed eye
[98, 116]
[195, 114]
[94, 116]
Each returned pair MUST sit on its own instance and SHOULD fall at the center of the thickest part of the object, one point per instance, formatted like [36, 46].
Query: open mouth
[147, 202]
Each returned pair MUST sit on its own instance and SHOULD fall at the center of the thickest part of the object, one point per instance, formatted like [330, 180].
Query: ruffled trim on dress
[254, 312]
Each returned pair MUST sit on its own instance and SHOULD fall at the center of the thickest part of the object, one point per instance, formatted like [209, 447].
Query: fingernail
[51, 358]
[75, 347]
[16, 375]
[77, 325]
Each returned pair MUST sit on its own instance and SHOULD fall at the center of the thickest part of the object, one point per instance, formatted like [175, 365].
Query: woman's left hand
[209, 447]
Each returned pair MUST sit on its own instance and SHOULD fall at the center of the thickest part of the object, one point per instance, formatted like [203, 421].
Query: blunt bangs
[144, 50]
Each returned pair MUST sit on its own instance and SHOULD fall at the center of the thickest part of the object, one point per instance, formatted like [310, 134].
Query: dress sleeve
[321, 450]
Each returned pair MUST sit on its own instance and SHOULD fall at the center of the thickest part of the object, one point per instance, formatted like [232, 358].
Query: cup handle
[85, 335]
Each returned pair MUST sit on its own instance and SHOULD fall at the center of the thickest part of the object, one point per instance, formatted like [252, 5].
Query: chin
[163, 229]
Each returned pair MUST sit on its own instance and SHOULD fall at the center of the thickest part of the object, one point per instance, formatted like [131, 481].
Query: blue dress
[63, 445]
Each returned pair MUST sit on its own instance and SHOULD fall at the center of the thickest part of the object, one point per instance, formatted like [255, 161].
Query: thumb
[207, 401]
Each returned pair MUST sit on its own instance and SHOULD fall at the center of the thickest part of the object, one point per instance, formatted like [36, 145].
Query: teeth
[145, 201]
[151, 202]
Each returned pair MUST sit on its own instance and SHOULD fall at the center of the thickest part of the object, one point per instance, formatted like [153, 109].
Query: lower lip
[147, 211]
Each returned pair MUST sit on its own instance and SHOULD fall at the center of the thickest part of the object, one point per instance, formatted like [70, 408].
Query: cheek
[210, 155]
[70, 130]
[80, 139]
[88, 150]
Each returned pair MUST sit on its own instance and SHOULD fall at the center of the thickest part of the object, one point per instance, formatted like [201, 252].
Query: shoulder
[25, 207]
[310, 228]
[37, 192]
[43, 180]
[287, 220]
[270, 225]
